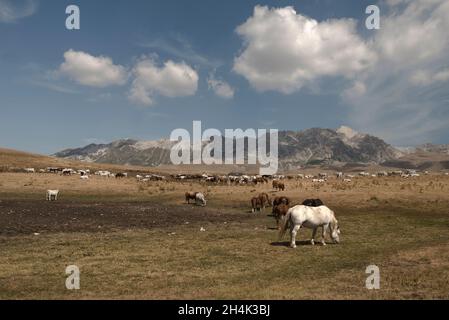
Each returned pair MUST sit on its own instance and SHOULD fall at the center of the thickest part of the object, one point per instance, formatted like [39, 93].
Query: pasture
[138, 240]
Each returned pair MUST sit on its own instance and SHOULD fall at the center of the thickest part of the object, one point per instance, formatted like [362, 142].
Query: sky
[140, 69]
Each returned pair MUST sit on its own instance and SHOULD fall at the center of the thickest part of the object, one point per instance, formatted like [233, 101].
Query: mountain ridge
[296, 148]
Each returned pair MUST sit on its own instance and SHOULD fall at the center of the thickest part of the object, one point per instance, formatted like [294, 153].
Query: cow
[84, 177]
[190, 196]
[313, 203]
[52, 195]
[120, 175]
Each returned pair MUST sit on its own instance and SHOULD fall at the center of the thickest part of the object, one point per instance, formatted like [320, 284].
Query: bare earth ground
[141, 241]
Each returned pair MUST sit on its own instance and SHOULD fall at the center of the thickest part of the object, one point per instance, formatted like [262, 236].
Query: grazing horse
[281, 186]
[52, 195]
[279, 212]
[313, 203]
[256, 204]
[280, 200]
[190, 196]
[264, 200]
[312, 218]
[200, 199]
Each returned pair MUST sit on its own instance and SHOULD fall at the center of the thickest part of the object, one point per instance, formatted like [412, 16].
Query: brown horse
[280, 211]
[264, 200]
[190, 196]
[256, 204]
[277, 185]
[281, 200]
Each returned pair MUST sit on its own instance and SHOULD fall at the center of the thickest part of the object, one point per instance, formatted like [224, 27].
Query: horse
[256, 204]
[312, 218]
[279, 212]
[200, 199]
[264, 200]
[313, 203]
[190, 196]
[280, 200]
[52, 194]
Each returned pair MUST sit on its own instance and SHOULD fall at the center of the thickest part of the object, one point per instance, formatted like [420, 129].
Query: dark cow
[313, 203]
[120, 175]
[190, 196]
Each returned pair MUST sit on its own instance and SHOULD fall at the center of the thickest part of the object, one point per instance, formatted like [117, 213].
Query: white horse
[312, 218]
[52, 194]
[200, 199]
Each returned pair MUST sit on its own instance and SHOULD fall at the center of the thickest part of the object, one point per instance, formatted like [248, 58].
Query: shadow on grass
[298, 243]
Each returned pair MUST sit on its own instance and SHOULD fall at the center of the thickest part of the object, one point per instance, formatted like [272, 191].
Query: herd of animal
[312, 213]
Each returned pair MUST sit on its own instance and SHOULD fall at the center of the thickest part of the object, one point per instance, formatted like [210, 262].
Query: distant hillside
[309, 147]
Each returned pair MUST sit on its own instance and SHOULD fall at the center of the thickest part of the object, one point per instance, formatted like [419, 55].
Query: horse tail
[284, 224]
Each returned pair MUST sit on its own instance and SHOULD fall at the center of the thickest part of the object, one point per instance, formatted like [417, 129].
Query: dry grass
[400, 225]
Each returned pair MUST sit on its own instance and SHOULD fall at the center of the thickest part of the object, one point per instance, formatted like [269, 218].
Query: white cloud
[92, 71]
[11, 11]
[426, 78]
[220, 87]
[178, 47]
[404, 95]
[283, 50]
[170, 80]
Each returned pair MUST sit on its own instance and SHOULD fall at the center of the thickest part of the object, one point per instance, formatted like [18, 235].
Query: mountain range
[314, 146]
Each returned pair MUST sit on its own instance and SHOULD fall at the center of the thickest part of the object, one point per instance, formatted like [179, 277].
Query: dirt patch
[28, 217]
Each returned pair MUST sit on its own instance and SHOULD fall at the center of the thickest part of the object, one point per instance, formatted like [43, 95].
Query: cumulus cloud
[92, 71]
[284, 50]
[220, 87]
[11, 11]
[170, 80]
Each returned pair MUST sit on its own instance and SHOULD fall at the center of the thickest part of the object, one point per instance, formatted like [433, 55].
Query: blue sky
[139, 69]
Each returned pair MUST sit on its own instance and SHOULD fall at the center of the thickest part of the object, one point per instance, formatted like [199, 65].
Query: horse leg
[313, 236]
[294, 231]
[323, 241]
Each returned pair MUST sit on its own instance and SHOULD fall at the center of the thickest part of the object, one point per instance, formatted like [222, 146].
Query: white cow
[85, 177]
[52, 195]
[30, 170]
